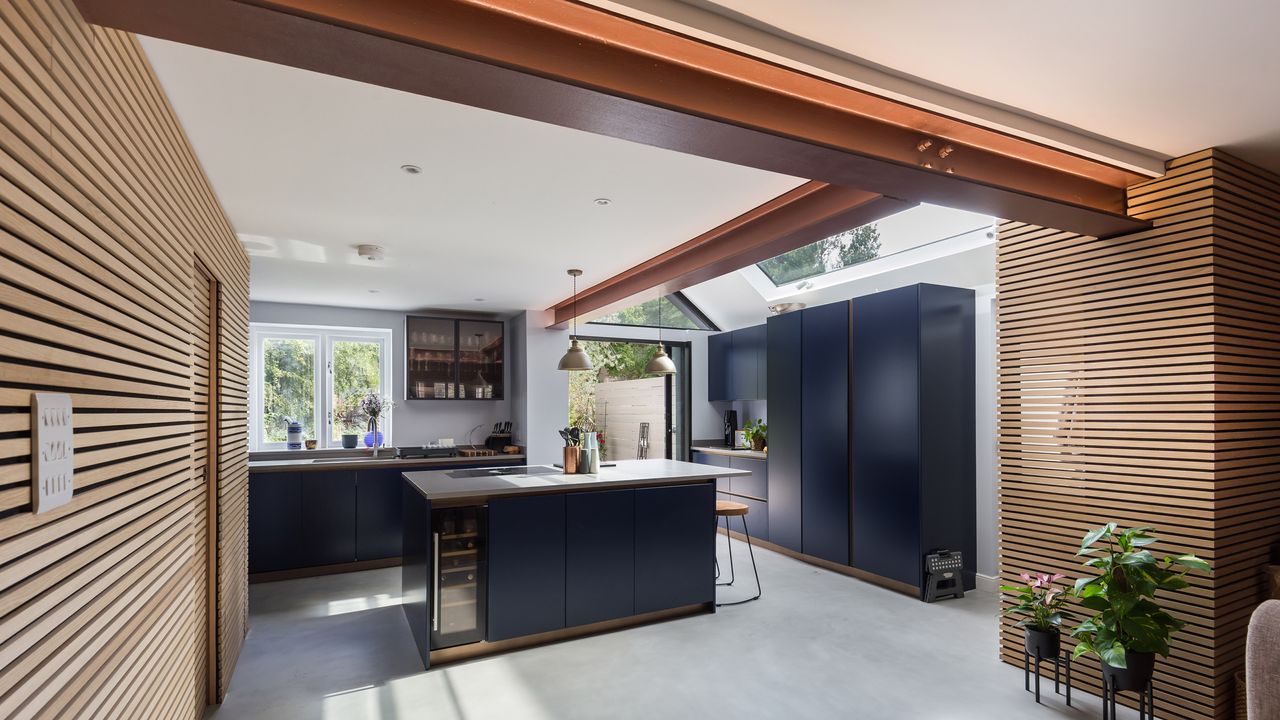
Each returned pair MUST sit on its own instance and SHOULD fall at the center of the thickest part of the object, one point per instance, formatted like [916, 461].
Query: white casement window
[314, 374]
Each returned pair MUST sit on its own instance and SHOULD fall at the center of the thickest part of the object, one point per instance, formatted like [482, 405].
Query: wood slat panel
[121, 283]
[1139, 381]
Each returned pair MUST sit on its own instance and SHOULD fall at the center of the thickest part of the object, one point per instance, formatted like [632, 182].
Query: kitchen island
[502, 558]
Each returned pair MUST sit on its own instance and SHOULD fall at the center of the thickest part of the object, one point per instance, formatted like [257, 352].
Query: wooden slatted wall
[1138, 383]
[104, 216]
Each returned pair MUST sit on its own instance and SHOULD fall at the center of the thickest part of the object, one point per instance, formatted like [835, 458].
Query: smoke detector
[372, 253]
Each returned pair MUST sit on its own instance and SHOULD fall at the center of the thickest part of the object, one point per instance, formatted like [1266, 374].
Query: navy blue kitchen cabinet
[417, 568]
[705, 458]
[736, 364]
[719, 347]
[329, 518]
[526, 593]
[912, 435]
[378, 514]
[752, 491]
[786, 429]
[599, 556]
[825, 402]
[674, 546]
[275, 522]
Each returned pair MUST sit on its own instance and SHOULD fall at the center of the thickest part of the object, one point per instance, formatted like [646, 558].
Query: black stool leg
[728, 543]
[754, 569]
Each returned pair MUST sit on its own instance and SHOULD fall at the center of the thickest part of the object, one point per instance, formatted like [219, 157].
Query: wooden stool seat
[728, 508]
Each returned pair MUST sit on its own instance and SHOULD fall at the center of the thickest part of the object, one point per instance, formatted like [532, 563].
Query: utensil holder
[571, 455]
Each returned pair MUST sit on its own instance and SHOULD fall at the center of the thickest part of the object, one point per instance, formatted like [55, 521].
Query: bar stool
[727, 509]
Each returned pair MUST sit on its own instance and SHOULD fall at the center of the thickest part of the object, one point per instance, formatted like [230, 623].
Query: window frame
[324, 336]
[682, 304]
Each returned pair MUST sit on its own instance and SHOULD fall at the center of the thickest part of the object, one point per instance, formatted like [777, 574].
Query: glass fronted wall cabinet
[450, 359]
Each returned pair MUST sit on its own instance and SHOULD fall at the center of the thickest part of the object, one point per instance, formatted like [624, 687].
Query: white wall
[414, 422]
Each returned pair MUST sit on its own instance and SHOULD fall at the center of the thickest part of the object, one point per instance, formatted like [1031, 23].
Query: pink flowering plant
[1040, 600]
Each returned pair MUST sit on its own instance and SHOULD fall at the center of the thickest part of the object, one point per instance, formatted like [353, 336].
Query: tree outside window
[826, 255]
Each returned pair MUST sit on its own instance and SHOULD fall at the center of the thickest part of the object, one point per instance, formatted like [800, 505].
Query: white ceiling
[307, 167]
[1171, 76]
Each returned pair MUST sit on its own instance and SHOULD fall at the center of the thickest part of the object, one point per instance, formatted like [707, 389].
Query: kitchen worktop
[731, 452]
[388, 461]
[440, 485]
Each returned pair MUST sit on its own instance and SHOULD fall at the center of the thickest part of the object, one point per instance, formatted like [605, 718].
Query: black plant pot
[1042, 644]
[1141, 666]
[349, 441]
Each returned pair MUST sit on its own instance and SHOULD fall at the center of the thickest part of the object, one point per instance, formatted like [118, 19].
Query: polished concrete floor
[817, 645]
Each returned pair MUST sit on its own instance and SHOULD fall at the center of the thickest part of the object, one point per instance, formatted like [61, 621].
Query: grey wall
[414, 422]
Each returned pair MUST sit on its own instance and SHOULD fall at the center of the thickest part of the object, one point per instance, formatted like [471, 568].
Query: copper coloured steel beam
[808, 213]
[582, 67]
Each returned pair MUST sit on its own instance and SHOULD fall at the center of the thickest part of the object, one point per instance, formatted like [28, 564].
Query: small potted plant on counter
[756, 433]
[1129, 626]
[348, 417]
[1042, 604]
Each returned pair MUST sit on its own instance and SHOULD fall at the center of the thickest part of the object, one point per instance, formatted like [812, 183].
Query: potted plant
[1042, 604]
[348, 417]
[1129, 627]
[373, 405]
[756, 433]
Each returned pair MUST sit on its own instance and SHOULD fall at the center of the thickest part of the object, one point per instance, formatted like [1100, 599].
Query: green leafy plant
[1122, 595]
[1040, 601]
[755, 429]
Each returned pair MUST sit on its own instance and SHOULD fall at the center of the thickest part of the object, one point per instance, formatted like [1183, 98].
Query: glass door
[458, 588]
[431, 366]
[480, 359]
[636, 415]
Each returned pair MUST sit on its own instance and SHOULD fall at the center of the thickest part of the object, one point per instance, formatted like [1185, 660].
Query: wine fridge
[458, 578]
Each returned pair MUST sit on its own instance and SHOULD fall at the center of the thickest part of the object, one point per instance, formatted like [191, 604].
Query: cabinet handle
[435, 582]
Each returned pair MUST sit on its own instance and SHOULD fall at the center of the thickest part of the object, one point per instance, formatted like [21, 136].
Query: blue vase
[368, 439]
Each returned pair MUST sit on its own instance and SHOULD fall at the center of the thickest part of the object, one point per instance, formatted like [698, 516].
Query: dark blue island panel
[674, 546]
[600, 556]
[786, 429]
[825, 402]
[416, 568]
[886, 435]
[526, 565]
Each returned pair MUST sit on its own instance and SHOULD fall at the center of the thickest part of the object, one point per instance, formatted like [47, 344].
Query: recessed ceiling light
[372, 253]
[602, 201]
[479, 299]
[375, 291]
[411, 169]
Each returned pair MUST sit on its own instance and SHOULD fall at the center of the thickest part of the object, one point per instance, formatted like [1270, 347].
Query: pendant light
[575, 358]
[660, 363]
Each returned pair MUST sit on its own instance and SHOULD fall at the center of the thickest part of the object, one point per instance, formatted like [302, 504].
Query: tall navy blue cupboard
[825, 399]
[786, 429]
[912, 431]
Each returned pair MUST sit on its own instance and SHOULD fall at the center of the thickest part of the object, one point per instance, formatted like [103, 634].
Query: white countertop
[438, 485]
[732, 452]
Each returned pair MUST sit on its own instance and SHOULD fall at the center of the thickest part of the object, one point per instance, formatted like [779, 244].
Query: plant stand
[1146, 700]
[1063, 656]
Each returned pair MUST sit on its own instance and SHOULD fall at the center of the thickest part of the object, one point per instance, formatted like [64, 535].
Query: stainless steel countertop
[436, 485]
[731, 452]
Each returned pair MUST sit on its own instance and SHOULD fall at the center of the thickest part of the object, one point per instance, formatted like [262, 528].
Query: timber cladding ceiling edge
[105, 219]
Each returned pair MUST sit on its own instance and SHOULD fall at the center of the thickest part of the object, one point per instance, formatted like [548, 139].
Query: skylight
[829, 254]
[677, 314]
[907, 230]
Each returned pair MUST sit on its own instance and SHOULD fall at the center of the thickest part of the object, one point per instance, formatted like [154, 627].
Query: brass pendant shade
[575, 358]
[660, 364]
